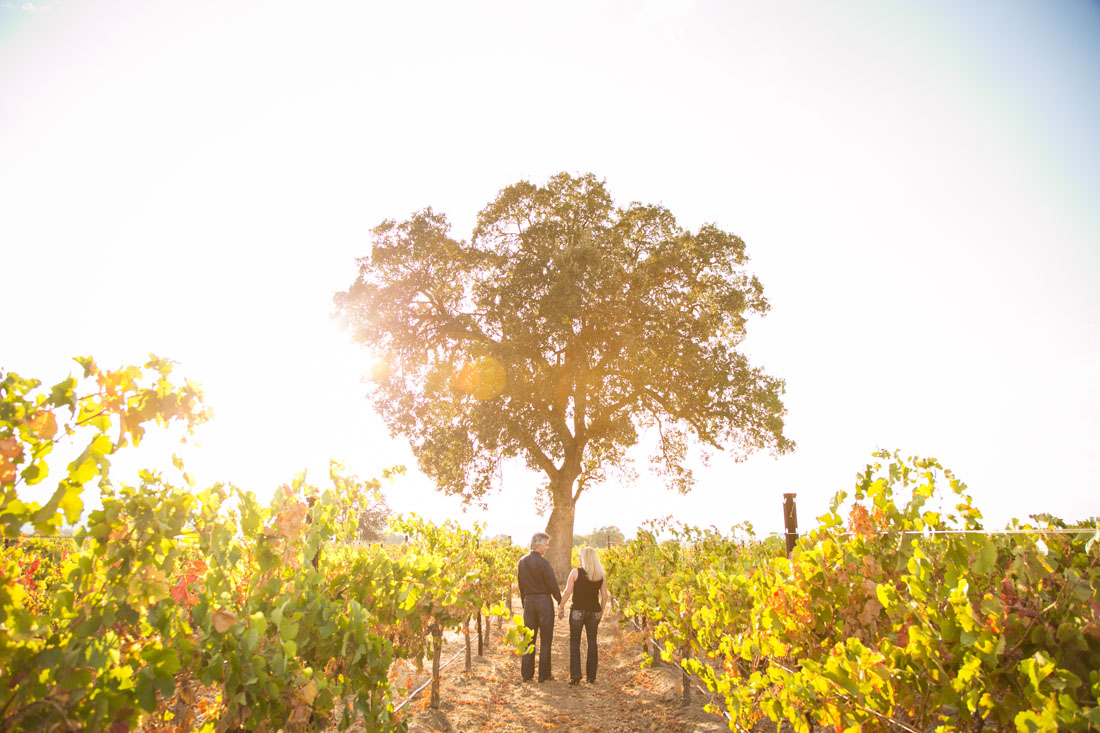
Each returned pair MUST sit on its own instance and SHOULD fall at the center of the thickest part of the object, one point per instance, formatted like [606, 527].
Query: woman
[587, 586]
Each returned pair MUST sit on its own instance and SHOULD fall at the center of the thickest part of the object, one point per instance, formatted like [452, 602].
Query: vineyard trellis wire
[983, 532]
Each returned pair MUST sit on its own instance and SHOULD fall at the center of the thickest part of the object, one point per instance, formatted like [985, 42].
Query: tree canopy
[559, 333]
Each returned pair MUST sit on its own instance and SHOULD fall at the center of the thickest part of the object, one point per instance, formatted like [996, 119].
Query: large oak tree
[563, 330]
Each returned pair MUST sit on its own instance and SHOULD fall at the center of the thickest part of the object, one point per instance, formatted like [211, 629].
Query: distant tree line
[602, 537]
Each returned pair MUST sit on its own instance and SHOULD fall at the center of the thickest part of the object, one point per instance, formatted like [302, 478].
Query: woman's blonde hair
[590, 561]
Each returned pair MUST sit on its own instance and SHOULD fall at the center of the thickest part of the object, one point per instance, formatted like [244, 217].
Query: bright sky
[917, 183]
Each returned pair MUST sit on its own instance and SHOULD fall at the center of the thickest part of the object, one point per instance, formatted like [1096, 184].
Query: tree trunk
[560, 529]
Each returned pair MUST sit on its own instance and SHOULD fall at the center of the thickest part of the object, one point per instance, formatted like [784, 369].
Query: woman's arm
[604, 595]
[568, 591]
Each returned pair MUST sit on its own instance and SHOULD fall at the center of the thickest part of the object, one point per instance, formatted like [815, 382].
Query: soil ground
[625, 697]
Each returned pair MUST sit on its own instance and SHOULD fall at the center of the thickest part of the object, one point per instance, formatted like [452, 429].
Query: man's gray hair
[538, 539]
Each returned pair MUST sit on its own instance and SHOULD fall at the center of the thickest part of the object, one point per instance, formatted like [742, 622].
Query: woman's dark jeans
[589, 621]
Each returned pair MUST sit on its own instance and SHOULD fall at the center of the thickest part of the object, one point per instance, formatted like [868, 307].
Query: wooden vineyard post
[466, 633]
[790, 522]
[480, 640]
[437, 650]
[500, 619]
[653, 650]
[685, 654]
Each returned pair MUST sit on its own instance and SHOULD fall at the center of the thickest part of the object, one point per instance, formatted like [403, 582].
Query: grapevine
[889, 615]
[167, 588]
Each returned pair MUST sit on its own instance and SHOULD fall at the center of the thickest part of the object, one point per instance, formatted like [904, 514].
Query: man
[537, 585]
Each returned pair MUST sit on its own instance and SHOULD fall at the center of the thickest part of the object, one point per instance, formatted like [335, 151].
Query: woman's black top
[586, 593]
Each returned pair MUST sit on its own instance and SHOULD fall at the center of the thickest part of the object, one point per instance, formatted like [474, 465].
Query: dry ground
[625, 697]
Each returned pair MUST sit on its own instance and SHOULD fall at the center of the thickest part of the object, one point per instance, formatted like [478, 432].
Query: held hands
[561, 611]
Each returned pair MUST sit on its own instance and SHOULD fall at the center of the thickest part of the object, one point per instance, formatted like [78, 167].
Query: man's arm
[519, 581]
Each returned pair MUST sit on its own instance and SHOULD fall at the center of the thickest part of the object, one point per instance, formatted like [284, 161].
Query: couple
[537, 584]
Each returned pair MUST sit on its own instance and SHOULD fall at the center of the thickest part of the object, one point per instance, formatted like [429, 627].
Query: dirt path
[624, 698]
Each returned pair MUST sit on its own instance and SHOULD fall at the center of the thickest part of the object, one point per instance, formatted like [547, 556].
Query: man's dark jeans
[538, 615]
[589, 621]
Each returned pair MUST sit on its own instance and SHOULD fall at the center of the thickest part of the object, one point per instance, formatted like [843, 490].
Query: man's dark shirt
[537, 576]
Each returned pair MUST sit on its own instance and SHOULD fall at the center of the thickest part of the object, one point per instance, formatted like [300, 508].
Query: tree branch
[582, 483]
[604, 417]
[532, 447]
[660, 400]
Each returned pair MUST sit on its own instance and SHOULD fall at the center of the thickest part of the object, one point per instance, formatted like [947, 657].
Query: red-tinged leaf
[11, 449]
[43, 425]
[7, 471]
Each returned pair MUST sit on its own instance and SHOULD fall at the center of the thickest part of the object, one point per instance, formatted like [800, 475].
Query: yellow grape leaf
[84, 472]
[71, 504]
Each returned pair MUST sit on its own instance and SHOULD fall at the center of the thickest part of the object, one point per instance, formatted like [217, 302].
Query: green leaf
[169, 664]
[250, 639]
[986, 559]
[32, 474]
[146, 694]
[166, 686]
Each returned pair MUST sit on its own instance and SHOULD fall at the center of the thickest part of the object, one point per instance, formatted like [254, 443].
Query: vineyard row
[175, 608]
[888, 616]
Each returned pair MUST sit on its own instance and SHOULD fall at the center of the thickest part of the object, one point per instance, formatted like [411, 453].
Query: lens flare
[484, 378]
